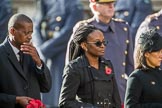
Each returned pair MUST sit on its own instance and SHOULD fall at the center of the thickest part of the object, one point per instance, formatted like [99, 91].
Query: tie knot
[20, 52]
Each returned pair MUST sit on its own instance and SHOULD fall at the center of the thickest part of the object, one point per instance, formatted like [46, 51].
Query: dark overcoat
[15, 81]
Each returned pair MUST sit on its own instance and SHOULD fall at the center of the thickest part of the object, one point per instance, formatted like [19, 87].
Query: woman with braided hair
[88, 80]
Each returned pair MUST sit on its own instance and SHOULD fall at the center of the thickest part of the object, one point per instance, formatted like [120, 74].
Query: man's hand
[28, 48]
[23, 100]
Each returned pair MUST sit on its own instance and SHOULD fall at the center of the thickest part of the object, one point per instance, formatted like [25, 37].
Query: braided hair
[79, 35]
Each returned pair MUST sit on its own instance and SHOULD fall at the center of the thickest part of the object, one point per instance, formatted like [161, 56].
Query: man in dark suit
[18, 85]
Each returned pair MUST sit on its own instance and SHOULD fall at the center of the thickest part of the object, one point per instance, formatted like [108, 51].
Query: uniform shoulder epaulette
[80, 23]
[119, 20]
[85, 21]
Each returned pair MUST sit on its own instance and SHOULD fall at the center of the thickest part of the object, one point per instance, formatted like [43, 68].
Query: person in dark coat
[5, 14]
[152, 21]
[54, 22]
[120, 48]
[144, 84]
[21, 82]
[88, 80]
[134, 12]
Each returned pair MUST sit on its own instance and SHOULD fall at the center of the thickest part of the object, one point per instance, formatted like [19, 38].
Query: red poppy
[108, 70]
[35, 103]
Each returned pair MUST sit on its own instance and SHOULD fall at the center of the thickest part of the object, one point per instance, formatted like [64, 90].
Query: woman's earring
[86, 49]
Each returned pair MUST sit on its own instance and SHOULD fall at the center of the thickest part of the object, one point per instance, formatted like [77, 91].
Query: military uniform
[133, 11]
[5, 14]
[53, 27]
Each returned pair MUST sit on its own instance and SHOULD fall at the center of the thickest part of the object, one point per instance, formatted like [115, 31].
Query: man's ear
[11, 30]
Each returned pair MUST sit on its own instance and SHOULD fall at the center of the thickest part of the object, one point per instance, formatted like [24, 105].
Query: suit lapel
[12, 58]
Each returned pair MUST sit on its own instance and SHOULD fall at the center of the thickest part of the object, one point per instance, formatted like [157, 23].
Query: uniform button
[123, 76]
[44, 25]
[126, 13]
[124, 63]
[50, 34]
[125, 29]
[158, 27]
[153, 82]
[57, 28]
[101, 103]
[109, 103]
[126, 52]
[26, 87]
[58, 19]
[98, 103]
[127, 41]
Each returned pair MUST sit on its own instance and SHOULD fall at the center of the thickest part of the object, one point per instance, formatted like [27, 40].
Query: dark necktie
[21, 58]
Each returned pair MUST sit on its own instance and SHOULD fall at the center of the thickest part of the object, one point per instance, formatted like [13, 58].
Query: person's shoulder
[119, 21]
[88, 21]
[154, 17]
[75, 63]
[79, 23]
[120, 27]
[137, 73]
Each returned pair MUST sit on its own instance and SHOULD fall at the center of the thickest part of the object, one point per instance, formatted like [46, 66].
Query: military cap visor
[102, 1]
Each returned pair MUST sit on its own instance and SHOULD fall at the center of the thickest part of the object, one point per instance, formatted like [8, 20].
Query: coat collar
[85, 62]
[104, 27]
[12, 57]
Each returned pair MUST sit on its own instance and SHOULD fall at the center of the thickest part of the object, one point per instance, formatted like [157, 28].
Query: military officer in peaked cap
[133, 11]
[120, 47]
[54, 21]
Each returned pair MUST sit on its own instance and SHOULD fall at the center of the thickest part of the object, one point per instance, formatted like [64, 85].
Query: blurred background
[28, 7]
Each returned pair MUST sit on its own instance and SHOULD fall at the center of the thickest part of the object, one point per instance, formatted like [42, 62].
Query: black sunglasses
[99, 43]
